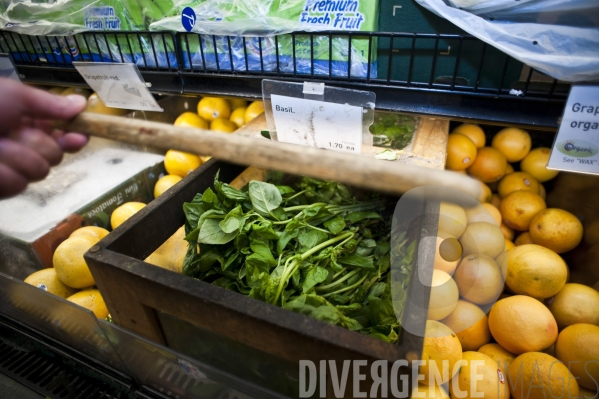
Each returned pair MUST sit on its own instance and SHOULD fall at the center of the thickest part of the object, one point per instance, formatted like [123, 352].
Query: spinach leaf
[335, 225]
[357, 261]
[316, 275]
[309, 238]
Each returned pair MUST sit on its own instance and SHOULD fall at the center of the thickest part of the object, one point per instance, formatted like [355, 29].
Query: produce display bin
[250, 339]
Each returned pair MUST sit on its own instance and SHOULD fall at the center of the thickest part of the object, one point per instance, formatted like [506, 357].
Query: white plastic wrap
[556, 37]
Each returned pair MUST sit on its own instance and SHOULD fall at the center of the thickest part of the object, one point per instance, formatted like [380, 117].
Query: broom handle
[356, 170]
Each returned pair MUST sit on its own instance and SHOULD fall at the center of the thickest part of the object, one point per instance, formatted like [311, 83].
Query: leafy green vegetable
[310, 247]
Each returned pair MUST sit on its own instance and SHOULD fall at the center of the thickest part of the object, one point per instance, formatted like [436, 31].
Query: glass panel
[62, 320]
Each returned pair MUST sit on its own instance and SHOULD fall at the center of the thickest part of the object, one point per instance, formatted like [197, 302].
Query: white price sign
[576, 146]
[118, 85]
[318, 124]
[7, 68]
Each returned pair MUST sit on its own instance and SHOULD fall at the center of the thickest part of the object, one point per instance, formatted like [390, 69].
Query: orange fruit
[444, 295]
[238, 116]
[535, 271]
[496, 352]
[523, 239]
[556, 229]
[211, 108]
[479, 279]
[47, 280]
[575, 303]
[578, 347]
[514, 143]
[180, 163]
[190, 119]
[522, 324]
[539, 375]
[479, 377]
[442, 348]
[535, 163]
[470, 324]
[489, 165]
[164, 183]
[517, 181]
[483, 238]
[124, 212]
[473, 132]
[91, 299]
[223, 125]
[508, 232]
[253, 110]
[461, 152]
[519, 208]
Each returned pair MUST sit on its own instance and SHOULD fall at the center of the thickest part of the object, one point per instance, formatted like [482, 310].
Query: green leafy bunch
[392, 130]
[310, 247]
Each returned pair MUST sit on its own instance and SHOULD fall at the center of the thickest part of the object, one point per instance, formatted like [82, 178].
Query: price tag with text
[7, 68]
[576, 146]
[118, 85]
[318, 124]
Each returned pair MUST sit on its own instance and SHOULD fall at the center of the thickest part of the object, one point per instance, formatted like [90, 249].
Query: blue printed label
[188, 18]
[101, 18]
[333, 14]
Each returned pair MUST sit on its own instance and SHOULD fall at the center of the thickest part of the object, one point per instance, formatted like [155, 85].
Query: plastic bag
[556, 37]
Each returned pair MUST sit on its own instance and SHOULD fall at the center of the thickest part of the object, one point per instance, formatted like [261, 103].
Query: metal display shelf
[401, 68]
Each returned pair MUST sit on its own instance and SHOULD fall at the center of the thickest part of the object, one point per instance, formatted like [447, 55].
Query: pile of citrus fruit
[502, 290]
[217, 114]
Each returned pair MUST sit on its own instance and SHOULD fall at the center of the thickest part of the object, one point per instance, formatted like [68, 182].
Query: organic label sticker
[577, 148]
[500, 376]
[42, 286]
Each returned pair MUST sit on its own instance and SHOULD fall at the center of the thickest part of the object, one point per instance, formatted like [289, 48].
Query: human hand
[29, 145]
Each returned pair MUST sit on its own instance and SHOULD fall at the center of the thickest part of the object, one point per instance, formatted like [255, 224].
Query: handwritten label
[118, 85]
[7, 68]
[576, 146]
[318, 124]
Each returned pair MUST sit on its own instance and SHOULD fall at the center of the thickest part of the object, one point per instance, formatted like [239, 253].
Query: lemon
[238, 116]
[47, 280]
[69, 264]
[473, 132]
[535, 163]
[253, 110]
[517, 181]
[556, 229]
[211, 108]
[223, 125]
[91, 299]
[124, 212]
[442, 348]
[496, 352]
[180, 163]
[479, 377]
[489, 165]
[444, 295]
[93, 233]
[171, 253]
[578, 347]
[429, 392]
[190, 119]
[520, 207]
[535, 271]
[538, 375]
[514, 143]
[164, 183]
[470, 324]
[479, 279]
[97, 106]
[237, 103]
[522, 324]
[461, 152]
[575, 303]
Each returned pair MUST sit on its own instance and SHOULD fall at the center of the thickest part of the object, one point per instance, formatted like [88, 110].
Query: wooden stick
[361, 171]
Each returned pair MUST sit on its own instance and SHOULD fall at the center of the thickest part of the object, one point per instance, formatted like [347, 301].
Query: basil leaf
[233, 193]
[260, 247]
[211, 233]
[232, 222]
[335, 225]
[265, 197]
[354, 217]
[287, 236]
[311, 238]
[357, 261]
[316, 275]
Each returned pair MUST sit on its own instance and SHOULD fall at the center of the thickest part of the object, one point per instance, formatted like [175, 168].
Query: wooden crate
[246, 337]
